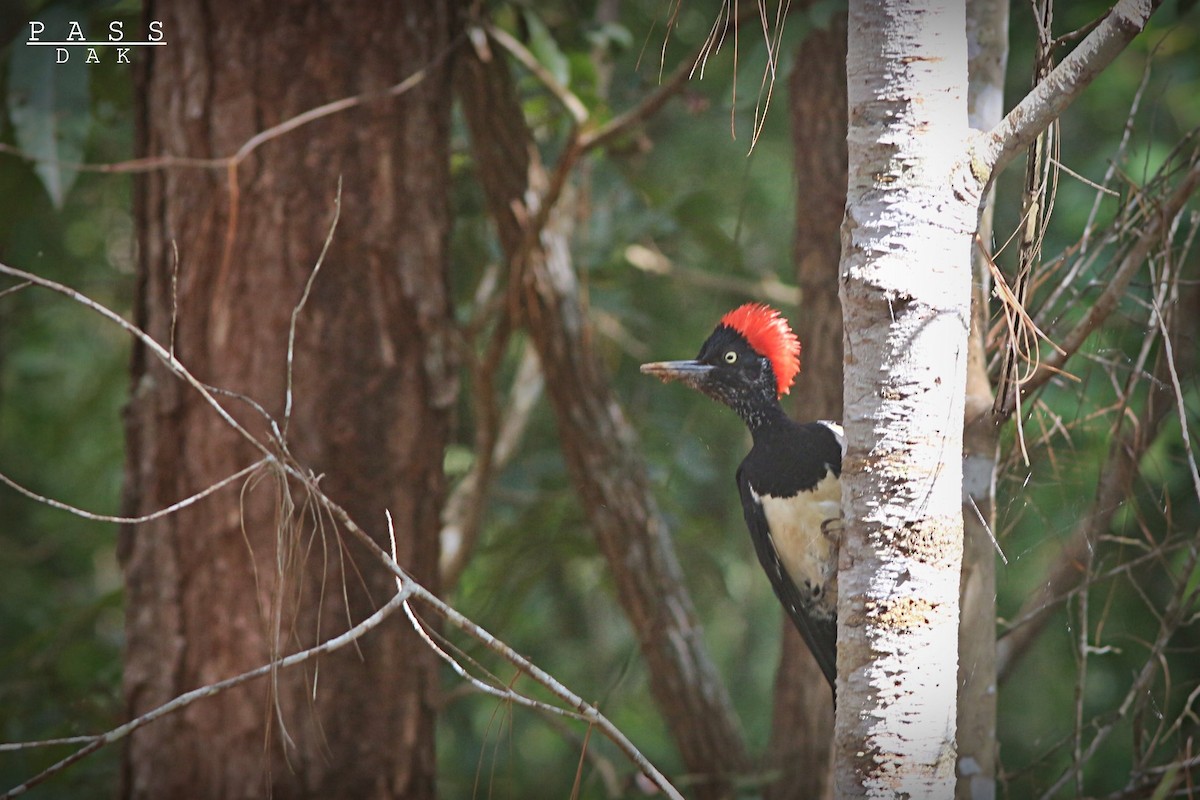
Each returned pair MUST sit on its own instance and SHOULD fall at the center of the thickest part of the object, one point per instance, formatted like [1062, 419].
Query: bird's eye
[730, 357]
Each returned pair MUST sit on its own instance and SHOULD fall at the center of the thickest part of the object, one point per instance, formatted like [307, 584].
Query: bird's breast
[804, 530]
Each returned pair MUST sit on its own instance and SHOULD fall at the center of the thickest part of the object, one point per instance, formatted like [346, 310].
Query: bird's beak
[691, 373]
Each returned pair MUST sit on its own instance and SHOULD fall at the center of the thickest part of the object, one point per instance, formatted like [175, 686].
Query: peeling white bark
[905, 291]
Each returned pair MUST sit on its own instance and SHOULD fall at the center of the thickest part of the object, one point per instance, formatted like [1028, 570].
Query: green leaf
[546, 50]
[457, 460]
[611, 35]
[48, 104]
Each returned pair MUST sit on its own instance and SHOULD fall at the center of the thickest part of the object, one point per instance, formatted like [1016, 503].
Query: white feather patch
[807, 551]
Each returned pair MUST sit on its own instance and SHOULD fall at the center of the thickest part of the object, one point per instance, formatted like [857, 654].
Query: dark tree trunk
[802, 727]
[373, 385]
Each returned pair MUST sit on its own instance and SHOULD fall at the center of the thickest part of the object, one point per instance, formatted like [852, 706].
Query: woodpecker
[789, 481]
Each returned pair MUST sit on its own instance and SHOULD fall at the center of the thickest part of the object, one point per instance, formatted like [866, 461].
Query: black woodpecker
[789, 481]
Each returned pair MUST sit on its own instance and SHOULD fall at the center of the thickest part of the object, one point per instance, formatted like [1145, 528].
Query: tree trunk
[223, 585]
[987, 38]
[906, 292]
[803, 713]
[597, 441]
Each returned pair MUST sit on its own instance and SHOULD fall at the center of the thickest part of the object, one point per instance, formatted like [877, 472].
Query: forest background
[686, 215]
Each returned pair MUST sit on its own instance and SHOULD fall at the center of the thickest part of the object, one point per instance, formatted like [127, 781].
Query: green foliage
[62, 386]
[681, 186]
[49, 108]
[1072, 428]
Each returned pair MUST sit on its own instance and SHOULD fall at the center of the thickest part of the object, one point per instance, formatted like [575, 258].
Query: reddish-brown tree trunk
[206, 597]
[802, 727]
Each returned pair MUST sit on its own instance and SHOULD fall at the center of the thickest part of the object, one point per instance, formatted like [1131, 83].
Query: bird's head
[751, 357]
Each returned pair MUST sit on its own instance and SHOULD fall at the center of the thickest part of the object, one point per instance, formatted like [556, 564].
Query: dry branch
[768, 288]
[1115, 482]
[231, 161]
[597, 441]
[1132, 436]
[575, 705]
[209, 690]
[1162, 218]
[495, 443]
[993, 150]
[1173, 616]
[245, 472]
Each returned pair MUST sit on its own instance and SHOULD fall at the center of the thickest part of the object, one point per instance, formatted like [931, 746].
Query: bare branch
[769, 288]
[1172, 617]
[154, 163]
[163, 512]
[597, 440]
[463, 513]
[520, 52]
[153, 346]
[992, 151]
[411, 588]
[312, 277]
[1133, 260]
[1132, 436]
[209, 690]
[17, 288]
[647, 107]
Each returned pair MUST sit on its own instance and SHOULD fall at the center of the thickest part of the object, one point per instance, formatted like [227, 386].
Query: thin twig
[1171, 619]
[146, 339]
[584, 710]
[1100, 188]
[1180, 406]
[1128, 444]
[12, 747]
[769, 288]
[1118, 156]
[162, 512]
[570, 102]
[17, 288]
[312, 277]
[1130, 264]
[174, 296]
[154, 163]
[210, 690]
[993, 150]
[496, 442]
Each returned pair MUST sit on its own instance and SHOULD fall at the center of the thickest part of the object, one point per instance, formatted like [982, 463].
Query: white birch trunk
[906, 281]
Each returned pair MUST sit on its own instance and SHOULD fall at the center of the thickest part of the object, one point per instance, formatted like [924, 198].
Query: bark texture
[987, 47]
[597, 441]
[905, 291]
[220, 587]
[800, 747]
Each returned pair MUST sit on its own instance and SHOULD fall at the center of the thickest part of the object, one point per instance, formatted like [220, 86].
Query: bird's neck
[761, 414]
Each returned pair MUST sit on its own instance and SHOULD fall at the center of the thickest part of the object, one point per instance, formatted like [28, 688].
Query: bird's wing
[820, 634]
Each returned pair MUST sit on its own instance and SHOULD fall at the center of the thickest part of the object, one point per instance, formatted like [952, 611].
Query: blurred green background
[682, 186]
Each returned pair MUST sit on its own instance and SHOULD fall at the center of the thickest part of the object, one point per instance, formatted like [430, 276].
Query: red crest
[768, 333]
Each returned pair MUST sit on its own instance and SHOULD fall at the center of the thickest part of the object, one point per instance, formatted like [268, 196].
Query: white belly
[807, 551]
